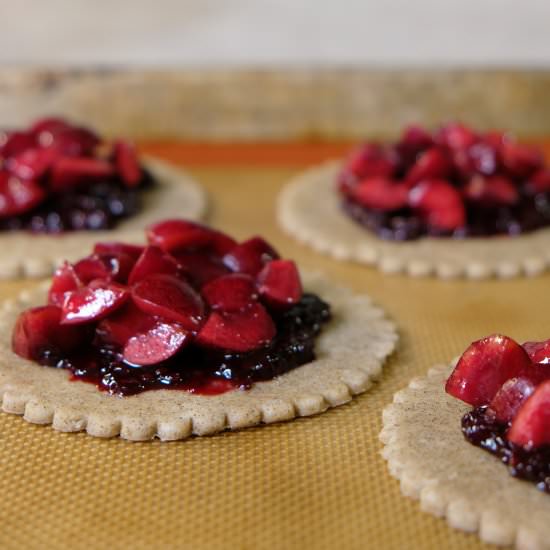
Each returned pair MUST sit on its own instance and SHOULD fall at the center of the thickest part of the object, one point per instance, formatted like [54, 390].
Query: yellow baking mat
[316, 482]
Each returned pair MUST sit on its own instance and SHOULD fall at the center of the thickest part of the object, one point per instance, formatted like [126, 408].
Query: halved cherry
[456, 136]
[238, 331]
[484, 367]
[370, 161]
[511, 396]
[439, 203]
[381, 194]
[519, 159]
[68, 172]
[531, 425]
[31, 164]
[72, 141]
[153, 260]
[492, 190]
[48, 125]
[132, 250]
[16, 143]
[431, 164]
[201, 267]
[279, 284]
[539, 182]
[539, 352]
[39, 330]
[93, 302]
[18, 196]
[171, 298]
[250, 256]
[183, 235]
[65, 280]
[127, 163]
[232, 292]
[413, 141]
[155, 345]
[115, 266]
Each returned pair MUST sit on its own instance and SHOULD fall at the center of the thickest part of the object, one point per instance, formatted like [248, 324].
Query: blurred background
[276, 32]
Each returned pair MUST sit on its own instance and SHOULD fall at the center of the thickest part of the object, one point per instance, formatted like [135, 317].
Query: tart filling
[192, 310]
[454, 182]
[57, 177]
[508, 385]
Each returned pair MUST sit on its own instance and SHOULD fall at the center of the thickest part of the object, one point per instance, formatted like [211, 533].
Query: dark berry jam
[481, 430]
[96, 206]
[206, 371]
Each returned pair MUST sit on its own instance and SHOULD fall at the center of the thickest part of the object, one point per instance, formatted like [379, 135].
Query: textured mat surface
[317, 482]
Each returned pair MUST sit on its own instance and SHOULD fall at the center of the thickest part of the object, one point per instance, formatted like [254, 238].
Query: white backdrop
[274, 32]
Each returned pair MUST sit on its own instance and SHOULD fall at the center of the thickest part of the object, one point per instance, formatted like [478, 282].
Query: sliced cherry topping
[68, 172]
[71, 141]
[492, 190]
[539, 352]
[232, 292]
[201, 268]
[18, 196]
[132, 250]
[126, 162]
[279, 284]
[250, 256]
[39, 330]
[539, 182]
[511, 396]
[370, 161]
[431, 164]
[521, 160]
[65, 280]
[238, 331]
[93, 302]
[456, 136]
[381, 194]
[182, 235]
[439, 203]
[414, 140]
[157, 344]
[115, 266]
[484, 367]
[16, 143]
[49, 125]
[31, 163]
[531, 425]
[153, 260]
[171, 298]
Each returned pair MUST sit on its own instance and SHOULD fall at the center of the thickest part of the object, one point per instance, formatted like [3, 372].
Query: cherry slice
[68, 172]
[456, 136]
[484, 367]
[93, 302]
[31, 164]
[510, 398]
[116, 266]
[431, 164]
[153, 260]
[539, 182]
[16, 143]
[126, 163]
[250, 256]
[38, 330]
[491, 191]
[239, 331]
[124, 323]
[539, 352]
[157, 344]
[201, 268]
[381, 194]
[48, 124]
[230, 292]
[531, 426]
[132, 250]
[519, 159]
[279, 284]
[65, 280]
[182, 235]
[70, 141]
[171, 298]
[17, 196]
[370, 161]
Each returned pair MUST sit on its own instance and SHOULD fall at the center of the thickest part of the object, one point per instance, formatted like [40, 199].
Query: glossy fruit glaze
[452, 182]
[192, 310]
[58, 177]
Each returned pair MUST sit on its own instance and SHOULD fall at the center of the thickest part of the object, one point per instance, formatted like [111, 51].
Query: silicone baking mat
[316, 482]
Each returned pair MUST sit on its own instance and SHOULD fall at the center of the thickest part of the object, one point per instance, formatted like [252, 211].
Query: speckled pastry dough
[351, 350]
[309, 209]
[427, 452]
[37, 255]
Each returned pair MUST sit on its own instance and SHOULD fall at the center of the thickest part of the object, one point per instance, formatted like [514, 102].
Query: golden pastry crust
[351, 351]
[175, 195]
[309, 209]
[427, 452]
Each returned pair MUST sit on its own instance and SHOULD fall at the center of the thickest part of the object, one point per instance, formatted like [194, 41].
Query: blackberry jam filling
[192, 310]
[508, 385]
[451, 183]
[57, 177]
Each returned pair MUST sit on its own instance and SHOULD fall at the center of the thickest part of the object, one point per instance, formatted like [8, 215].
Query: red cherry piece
[279, 284]
[239, 331]
[31, 164]
[484, 367]
[519, 159]
[153, 260]
[18, 196]
[68, 172]
[370, 161]
[381, 194]
[126, 163]
[132, 250]
[124, 323]
[201, 268]
[182, 235]
[171, 298]
[38, 330]
[16, 143]
[158, 344]
[539, 352]
[48, 124]
[511, 396]
[456, 136]
[93, 302]
[431, 164]
[70, 141]
[491, 190]
[531, 426]
[250, 256]
[439, 203]
[232, 292]
[107, 267]
[415, 138]
[64, 281]
[539, 182]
